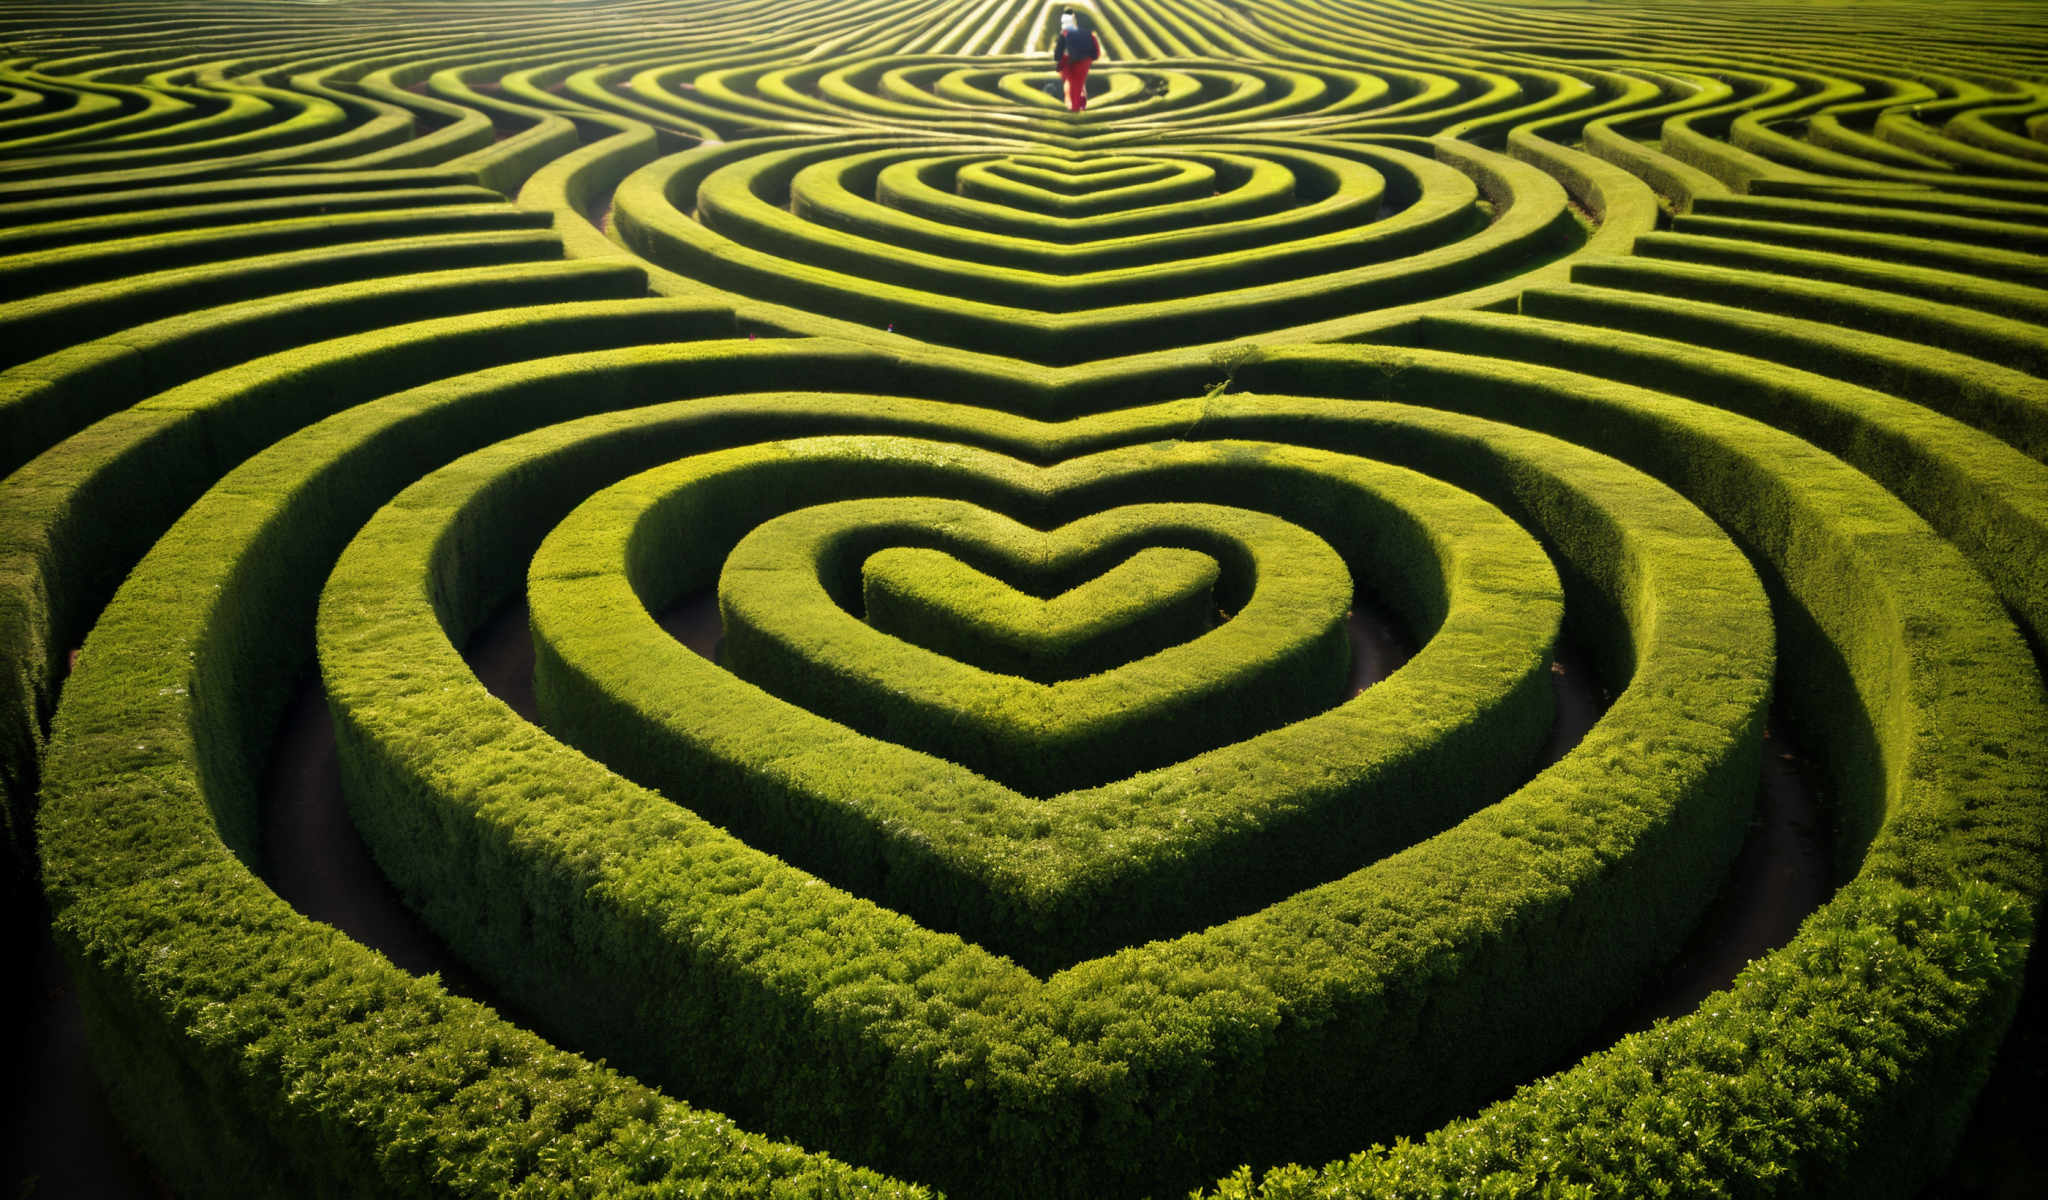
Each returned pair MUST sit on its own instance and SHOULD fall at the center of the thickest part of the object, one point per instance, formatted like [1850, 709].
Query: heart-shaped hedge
[1697, 359]
[1282, 655]
[1158, 597]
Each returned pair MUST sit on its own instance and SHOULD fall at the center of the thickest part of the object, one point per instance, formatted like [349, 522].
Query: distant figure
[1073, 52]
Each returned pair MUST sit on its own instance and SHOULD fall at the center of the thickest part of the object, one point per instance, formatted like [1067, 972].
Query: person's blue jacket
[1076, 44]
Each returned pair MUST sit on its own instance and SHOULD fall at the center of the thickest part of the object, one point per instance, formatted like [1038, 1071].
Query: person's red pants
[1075, 72]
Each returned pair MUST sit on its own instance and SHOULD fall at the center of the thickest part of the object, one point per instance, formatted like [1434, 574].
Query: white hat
[1067, 21]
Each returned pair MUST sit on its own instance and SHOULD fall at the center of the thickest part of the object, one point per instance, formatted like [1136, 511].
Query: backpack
[1078, 43]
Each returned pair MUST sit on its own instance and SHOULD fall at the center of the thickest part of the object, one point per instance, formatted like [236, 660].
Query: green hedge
[76, 520]
[111, 307]
[779, 258]
[1948, 287]
[1281, 657]
[1156, 598]
[1111, 864]
[1985, 497]
[2004, 266]
[1039, 185]
[250, 1050]
[1955, 812]
[912, 209]
[78, 517]
[65, 200]
[1045, 193]
[1839, 1066]
[1922, 225]
[71, 229]
[2020, 345]
[1905, 674]
[97, 262]
[46, 399]
[257, 1052]
[1296, 1003]
[241, 121]
[2004, 402]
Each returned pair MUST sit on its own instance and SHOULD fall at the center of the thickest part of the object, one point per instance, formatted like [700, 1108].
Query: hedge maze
[1028, 831]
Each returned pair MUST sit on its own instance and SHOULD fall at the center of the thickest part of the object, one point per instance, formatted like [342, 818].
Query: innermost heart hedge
[1156, 598]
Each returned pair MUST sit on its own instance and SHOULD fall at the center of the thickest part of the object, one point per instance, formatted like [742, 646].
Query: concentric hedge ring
[932, 93]
[1246, 820]
[1066, 258]
[1025, 839]
[1157, 598]
[1281, 655]
[1587, 499]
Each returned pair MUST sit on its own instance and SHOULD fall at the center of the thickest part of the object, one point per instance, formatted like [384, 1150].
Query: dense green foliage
[1492, 633]
[1339, 948]
[1027, 834]
[1280, 658]
[1158, 597]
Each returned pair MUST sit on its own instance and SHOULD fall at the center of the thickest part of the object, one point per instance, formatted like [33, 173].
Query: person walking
[1074, 51]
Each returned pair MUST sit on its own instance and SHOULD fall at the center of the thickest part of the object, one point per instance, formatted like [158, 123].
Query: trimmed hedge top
[1026, 833]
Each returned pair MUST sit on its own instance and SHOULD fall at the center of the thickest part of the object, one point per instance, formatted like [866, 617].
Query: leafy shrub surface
[1027, 835]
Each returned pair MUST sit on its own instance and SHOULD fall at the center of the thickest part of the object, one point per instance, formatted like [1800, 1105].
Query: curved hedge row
[1601, 518]
[1479, 589]
[736, 215]
[78, 515]
[1158, 597]
[1025, 836]
[1281, 656]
